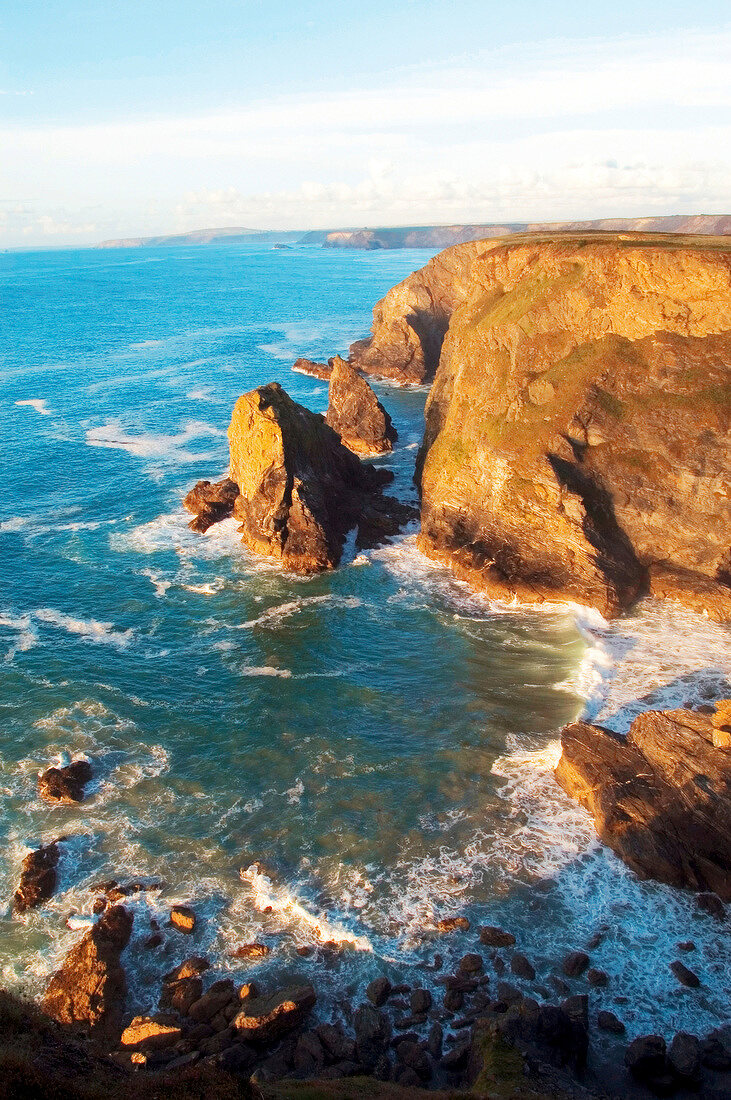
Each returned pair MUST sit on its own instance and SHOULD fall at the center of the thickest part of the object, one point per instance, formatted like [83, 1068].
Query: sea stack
[356, 414]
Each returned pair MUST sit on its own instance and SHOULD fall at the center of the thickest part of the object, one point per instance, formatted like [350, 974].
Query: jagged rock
[721, 723]
[661, 797]
[309, 1055]
[266, 1018]
[90, 988]
[598, 466]
[356, 414]
[210, 502]
[316, 370]
[65, 784]
[183, 918]
[496, 937]
[181, 994]
[37, 877]
[147, 1033]
[711, 903]
[685, 976]
[378, 991]
[300, 489]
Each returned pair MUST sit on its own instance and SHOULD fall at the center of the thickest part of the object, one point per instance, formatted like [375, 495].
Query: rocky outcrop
[37, 878]
[90, 988]
[65, 783]
[300, 489]
[315, 370]
[266, 1018]
[210, 501]
[577, 441]
[356, 414]
[660, 798]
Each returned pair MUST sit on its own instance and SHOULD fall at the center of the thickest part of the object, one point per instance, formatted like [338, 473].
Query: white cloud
[568, 129]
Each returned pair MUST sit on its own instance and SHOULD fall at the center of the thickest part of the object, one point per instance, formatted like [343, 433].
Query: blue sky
[132, 118]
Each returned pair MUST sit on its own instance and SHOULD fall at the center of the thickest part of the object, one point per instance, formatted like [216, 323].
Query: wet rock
[248, 989]
[594, 941]
[711, 903]
[379, 991]
[648, 802]
[210, 502]
[153, 941]
[316, 370]
[456, 1059]
[266, 1018]
[181, 995]
[508, 993]
[576, 1008]
[575, 964]
[216, 998]
[372, 1033]
[686, 945]
[38, 878]
[65, 784]
[645, 1057]
[356, 414]
[190, 968]
[183, 918]
[607, 1021]
[435, 1040]
[148, 1033]
[90, 988]
[251, 951]
[522, 968]
[597, 978]
[453, 1000]
[453, 924]
[684, 1056]
[685, 976]
[496, 937]
[300, 489]
[420, 1001]
[559, 985]
[471, 964]
[99, 906]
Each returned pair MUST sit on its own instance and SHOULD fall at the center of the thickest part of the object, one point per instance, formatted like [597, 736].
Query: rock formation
[316, 370]
[210, 502]
[265, 1018]
[660, 798]
[577, 438]
[90, 988]
[356, 414]
[65, 784]
[299, 490]
[38, 878]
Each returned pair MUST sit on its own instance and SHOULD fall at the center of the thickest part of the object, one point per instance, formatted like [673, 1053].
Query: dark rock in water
[645, 1057]
[378, 991]
[183, 918]
[597, 978]
[191, 968]
[416, 1058]
[711, 904]
[577, 1008]
[372, 1034]
[717, 1049]
[684, 1056]
[210, 501]
[37, 878]
[684, 975]
[471, 964]
[316, 370]
[607, 1021]
[496, 937]
[575, 964]
[435, 1040]
[212, 1002]
[356, 414]
[251, 951]
[522, 968]
[266, 1018]
[453, 1000]
[338, 1046]
[300, 489]
[90, 988]
[420, 1001]
[661, 797]
[65, 784]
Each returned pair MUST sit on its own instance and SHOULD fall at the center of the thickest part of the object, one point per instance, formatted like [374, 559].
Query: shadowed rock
[356, 414]
[661, 797]
[210, 501]
[37, 878]
[90, 988]
[265, 1019]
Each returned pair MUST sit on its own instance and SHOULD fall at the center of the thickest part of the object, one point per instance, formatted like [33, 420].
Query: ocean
[345, 758]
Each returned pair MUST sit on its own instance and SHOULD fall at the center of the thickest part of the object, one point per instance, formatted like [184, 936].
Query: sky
[151, 116]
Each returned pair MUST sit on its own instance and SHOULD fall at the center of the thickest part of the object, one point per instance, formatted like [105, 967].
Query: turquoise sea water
[378, 738]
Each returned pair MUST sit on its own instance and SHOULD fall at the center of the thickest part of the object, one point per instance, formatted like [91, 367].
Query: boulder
[183, 918]
[607, 1021]
[251, 951]
[300, 489]
[356, 414]
[90, 988]
[660, 798]
[496, 937]
[65, 784]
[267, 1018]
[576, 442]
[522, 968]
[684, 1056]
[645, 1057]
[575, 963]
[685, 976]
[210, 501]
[148, 1033]
[378, 991]
[453, 924]
[37, 877]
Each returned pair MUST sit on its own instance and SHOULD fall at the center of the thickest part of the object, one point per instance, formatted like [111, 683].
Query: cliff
[577, 432]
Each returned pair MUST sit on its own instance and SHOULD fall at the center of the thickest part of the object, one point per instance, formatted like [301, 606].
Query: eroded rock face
[661, 798]
[210, 501]
[90, 988]
[356, 414]
[65, 784]
[577, 441]
[37, 878]
[300, 490]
